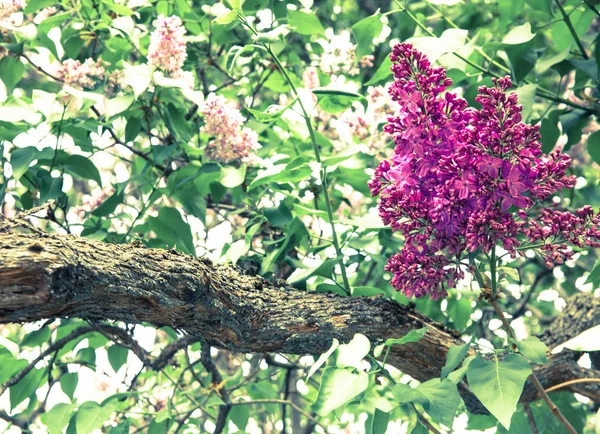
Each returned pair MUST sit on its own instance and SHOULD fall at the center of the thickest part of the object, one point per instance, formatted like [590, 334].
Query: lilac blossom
[167, 50]
[88, 75]
[230, 141]
[466, 180]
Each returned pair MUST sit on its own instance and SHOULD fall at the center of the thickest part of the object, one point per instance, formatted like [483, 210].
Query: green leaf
[170, 228]
[339, 386]
[24, 388]
[232, 177]
[279, 216]
[526, 96]
[68, 383]
[11, 71]
[457, 376]
[522, 58]
[296, 170]
[117, 105]
[533, 349]
[227, 18]
[239, 415]
[518, 35]
[352, 353]
[382, 73]
[58, 417]
[550, 131]
[80, 166]
[36, 338]
[499, 384]
[305, 23]
[119, 9]
[270, 114]
[334, 101]
[21, 158]
[584, 342]
[365, 31]
[91, 416]
[123, 428]
[117, 356]
[593, 146]
[412, 336]
[323, 358]
[454, 358]
[543, 64]
[440, 399]
[459, 312]
[379, 423]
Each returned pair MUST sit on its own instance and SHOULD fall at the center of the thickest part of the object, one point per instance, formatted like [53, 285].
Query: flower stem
[322, 169]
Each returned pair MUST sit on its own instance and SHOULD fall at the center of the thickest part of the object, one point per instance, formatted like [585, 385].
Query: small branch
[217, 381]
[569, 24]
[52, 348]
[530, 419]
[568, 383]
[13, 420]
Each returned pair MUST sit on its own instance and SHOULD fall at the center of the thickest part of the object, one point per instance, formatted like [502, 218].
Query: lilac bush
[464, 180]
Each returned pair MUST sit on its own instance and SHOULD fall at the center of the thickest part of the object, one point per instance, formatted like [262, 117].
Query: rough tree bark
[48, 276]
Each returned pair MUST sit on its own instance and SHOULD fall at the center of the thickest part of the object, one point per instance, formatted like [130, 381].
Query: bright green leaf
[305, 23]
[365, 31]
[533, 349]
[58, 417]
[339, 386]
[412, 336]
[518, 35]
[498, 384]
[323, 358]
[334, 101]
[91, 416]
[454, 358]
[439, 398]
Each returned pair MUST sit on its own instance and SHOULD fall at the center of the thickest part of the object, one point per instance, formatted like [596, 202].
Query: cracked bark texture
[48, 276]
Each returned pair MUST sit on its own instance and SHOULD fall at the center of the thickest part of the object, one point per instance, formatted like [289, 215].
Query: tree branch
[48, 276]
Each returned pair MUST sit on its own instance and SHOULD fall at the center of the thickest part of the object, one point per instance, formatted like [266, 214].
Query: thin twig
[568, 383]
[530, 419]
[569, 24]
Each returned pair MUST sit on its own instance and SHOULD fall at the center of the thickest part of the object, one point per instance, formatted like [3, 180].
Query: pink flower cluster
[463, 180]
[224, 123]
[87, 75]
[167, 50]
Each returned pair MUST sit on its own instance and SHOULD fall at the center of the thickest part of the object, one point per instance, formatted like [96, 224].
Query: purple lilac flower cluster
[463, 180]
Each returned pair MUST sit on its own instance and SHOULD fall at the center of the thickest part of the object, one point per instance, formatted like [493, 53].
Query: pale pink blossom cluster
[365, 126]
[88, 75]
[9, 7]
[231, 142]
[167, 49]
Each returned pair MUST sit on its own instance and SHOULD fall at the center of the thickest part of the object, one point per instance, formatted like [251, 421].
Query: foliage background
[130, 165]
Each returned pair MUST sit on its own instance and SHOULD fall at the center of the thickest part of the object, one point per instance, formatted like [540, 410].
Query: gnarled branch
[48, 276]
